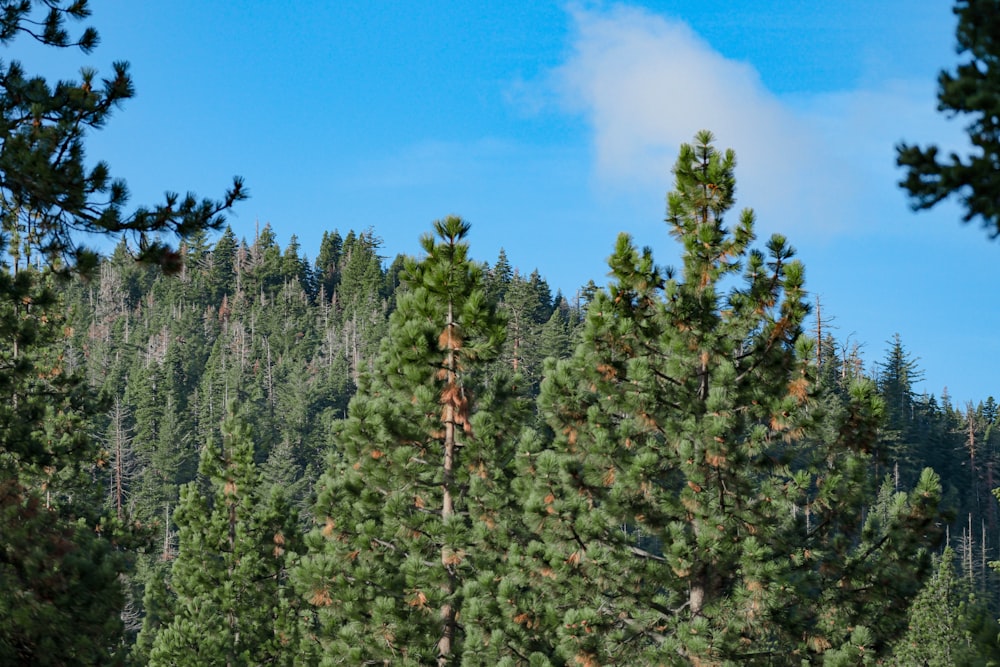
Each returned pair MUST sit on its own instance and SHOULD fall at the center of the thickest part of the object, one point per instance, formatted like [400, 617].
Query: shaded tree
[946, 625]
[59, 571]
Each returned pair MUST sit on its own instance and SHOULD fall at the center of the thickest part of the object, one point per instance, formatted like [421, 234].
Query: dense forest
[341, 458]
[223, 453]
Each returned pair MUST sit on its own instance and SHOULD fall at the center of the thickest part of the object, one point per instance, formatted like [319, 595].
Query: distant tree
[973, 91]
[520, 306]
[221, 274]
[361, 274]
[898, 443]
[543, 297]
[265, 263]
[393, 279]
[990, 410]
[499, 277]
[361, 298]
[946, 625]
[296, 269]
[415, 511]
[554, 338]
[328, 263]
[695, 506]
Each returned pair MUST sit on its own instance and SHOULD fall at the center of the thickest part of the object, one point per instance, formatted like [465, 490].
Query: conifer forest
[215, 451]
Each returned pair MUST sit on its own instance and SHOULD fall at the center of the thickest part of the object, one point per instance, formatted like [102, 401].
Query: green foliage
[59, 592]
[60, 559]
[47, 190]
[328, 263]
[414, 514]
[219, 281]
[697, 503]
[946, 624]
[58, 573]
[233, 604]
[973, 91]
[898, 442]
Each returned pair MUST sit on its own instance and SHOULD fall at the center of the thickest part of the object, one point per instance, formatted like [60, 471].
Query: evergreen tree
[973, 91]
[233, 605]
[295, 268]
[47, 189]
[543, 304]
[898, 442]
[328, 263]
[219, 281]
[415, 511]
[695, 505]
[157, 607]
[60, 595]
[554, 338]
[499, 277]
[946, 624]
[361, 299]
[266, 264]
[393, 280]
[195, 252]
[520, 305]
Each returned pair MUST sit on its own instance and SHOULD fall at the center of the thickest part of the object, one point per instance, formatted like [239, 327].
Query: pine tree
[219, 281]
[328, 263]
[554, 338]
[297, 269]
[943, 623]
[498, 277]
[973, 91]
[897, 444]
[233, 604]
[520, 305]
[60, 595]
[695, 505]
[48, 191]
[415, 510]
[266, 264]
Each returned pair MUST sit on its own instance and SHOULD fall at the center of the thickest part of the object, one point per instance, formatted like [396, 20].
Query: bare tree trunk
[447, 502]
[819, 334]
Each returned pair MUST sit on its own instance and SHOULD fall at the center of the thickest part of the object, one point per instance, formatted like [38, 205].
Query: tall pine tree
[695, 506]
[415, 511]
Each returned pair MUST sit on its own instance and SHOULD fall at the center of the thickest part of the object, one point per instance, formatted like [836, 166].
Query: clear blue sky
[552, 127]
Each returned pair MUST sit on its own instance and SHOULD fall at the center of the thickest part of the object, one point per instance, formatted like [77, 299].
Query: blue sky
[552, 127]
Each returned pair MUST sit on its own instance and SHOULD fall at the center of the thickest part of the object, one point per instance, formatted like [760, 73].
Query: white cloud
[646, 83]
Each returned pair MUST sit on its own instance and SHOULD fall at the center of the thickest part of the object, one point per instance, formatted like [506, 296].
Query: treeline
[439, 460]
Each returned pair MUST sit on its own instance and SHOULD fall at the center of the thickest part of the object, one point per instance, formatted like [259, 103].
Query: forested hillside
[252, 325]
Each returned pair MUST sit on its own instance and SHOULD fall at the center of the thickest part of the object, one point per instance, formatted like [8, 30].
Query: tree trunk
[447, 502]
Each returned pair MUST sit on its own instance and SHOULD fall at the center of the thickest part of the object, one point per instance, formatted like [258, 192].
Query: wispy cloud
[816, 164]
